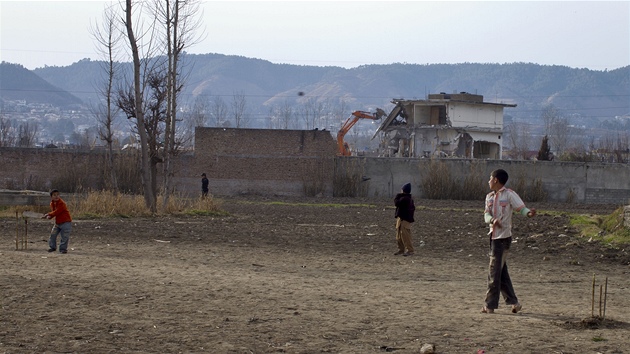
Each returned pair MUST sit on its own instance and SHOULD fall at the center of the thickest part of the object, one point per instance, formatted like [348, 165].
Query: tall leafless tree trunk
[238, 110]
[319, 111]
[107, 36]
[196, 116]
[27, 132]
[561, 135]
[180, 26]
[7, 132]
[169, 135]
[305, 111]
[285, 116]
[519, 137]
[218, 111]
[549, 117]
[145, 168]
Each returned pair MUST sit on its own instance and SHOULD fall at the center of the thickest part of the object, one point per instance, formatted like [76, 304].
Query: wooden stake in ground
[601, 288]
[605, 298]
[593, 298]
[21, 232]
[17, 229]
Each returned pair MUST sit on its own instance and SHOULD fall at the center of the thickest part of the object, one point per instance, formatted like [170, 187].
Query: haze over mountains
[587, 94]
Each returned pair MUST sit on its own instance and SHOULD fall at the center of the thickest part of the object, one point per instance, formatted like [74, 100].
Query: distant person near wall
[204, 185]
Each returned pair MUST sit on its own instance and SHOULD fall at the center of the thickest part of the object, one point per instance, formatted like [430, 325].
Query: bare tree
[156, 123]
[305, 111]
[271, 119]
[519, 137]
[340, 113]
[285, 116]
[549, 117]
[7, 132]
[623, 147]
[311, 112]
[557, 128]
[26, 134]
[218, 111]
[319, 114]
[137, 101]
[154, 114]
[180, 25]
[238, 110]
[85, 139]
[107, 36]
[615, 148]
[196, 116]
[152, 99]
[560, 135]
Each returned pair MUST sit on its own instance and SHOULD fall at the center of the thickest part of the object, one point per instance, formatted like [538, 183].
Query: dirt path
[307, 278]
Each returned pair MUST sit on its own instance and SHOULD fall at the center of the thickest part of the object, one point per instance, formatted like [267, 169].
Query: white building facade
[444, 125]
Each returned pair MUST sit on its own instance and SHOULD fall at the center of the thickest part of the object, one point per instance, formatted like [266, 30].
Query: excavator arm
[344, 149]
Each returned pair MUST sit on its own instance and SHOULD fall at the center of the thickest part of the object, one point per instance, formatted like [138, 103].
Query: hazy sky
[578, 34]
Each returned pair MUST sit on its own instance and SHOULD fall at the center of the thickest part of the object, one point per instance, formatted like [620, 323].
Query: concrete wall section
[561, 181]
[608, 183]
[385, 176]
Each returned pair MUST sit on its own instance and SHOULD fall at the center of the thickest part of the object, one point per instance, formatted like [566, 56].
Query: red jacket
[59, 212]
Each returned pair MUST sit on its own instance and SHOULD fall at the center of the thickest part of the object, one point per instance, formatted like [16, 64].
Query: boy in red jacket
[63, 223]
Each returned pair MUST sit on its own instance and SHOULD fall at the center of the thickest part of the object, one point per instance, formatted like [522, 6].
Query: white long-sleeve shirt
[499, 206]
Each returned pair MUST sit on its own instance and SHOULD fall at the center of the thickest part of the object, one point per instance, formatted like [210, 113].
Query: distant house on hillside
[447, 125]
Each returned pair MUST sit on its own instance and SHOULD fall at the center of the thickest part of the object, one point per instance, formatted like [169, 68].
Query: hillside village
[75, 125]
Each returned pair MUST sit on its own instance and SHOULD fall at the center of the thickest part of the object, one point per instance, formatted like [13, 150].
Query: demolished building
[443, 125]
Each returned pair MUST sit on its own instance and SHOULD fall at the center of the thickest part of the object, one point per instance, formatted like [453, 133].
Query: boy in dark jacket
[405, 208]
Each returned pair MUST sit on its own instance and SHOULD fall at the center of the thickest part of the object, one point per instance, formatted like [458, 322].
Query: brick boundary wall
[37, 168]
[237, 161]
[265, 161]
[297, 163]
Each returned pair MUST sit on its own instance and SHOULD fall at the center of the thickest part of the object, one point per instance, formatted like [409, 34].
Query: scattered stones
[427, 349]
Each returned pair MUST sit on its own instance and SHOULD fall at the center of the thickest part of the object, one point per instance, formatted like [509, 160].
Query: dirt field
[308, 278]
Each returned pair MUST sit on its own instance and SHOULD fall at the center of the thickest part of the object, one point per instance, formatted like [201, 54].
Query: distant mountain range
[18, 83]
[589, 93]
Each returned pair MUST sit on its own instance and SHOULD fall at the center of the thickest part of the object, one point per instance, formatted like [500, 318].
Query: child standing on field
[63, 223]
[501, 202]
[405, 209]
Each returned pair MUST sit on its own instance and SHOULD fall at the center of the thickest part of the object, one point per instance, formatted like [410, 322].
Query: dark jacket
[204, 184]
[404, 207]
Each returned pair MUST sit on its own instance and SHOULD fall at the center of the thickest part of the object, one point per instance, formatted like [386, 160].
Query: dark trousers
[498, 277]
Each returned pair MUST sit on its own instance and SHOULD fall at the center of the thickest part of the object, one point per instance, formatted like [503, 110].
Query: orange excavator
[344, 149]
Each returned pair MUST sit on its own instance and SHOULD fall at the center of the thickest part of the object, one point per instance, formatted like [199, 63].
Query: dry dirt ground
[305, 277]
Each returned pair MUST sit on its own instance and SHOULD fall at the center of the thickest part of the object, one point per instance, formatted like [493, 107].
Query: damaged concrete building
[443, 125]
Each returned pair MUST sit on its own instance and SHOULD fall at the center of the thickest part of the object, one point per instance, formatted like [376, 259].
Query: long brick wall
[252, 161]
[37, 168]
[297, 163]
